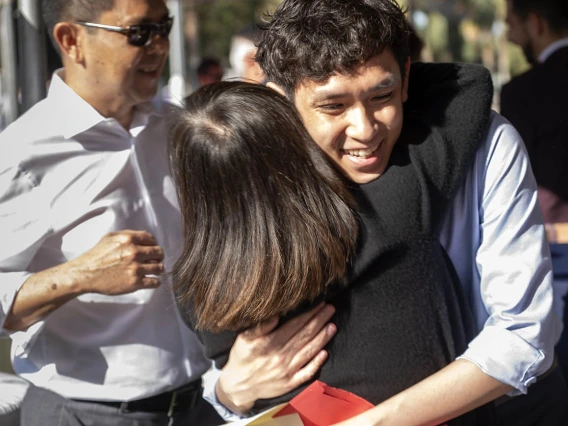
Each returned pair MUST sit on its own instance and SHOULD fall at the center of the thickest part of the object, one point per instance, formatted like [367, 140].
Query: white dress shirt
[551, 48]
[67, 177]
[495, 236]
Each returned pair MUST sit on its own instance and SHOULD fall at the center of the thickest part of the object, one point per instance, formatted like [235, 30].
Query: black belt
[169, 402]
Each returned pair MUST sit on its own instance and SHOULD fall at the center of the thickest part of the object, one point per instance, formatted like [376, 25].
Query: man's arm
[456, 389]
[118, 264]
[516, 343]
[512, 260]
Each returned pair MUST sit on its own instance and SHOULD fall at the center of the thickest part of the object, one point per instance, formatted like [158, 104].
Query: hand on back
[266, 362]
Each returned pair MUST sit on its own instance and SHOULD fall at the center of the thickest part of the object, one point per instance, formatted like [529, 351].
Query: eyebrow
[329, 95]
[146, 20]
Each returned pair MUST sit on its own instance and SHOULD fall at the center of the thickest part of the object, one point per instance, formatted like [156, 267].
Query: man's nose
[158, 44]
[362, 124]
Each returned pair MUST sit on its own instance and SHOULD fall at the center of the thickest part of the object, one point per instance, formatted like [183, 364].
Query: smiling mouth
[361, 153]
[149, 69]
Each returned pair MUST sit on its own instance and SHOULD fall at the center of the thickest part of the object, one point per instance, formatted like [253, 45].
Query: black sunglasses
[140, 34]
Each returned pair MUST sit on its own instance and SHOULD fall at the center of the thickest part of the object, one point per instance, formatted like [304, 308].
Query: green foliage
[483, 12]
[517, 62]
[471, 52]
[218, 20]
[436, 36]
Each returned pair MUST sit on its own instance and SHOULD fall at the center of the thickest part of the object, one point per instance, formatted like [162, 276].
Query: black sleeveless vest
[400, 312]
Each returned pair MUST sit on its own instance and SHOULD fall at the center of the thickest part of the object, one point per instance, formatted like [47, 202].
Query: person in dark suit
[536, 101]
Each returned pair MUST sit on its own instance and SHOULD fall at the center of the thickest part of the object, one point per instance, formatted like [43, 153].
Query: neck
[109, 105]
[547, 39]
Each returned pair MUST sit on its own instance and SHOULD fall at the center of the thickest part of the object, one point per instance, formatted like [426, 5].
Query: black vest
[400, 312]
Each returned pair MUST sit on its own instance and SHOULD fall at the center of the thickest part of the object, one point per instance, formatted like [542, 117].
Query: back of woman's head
[267, 220]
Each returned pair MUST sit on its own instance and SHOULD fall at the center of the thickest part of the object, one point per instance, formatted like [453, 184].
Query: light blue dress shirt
[495, 236]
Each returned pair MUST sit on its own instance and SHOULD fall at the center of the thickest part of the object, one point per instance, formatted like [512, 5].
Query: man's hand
[120, 263]
[266, 363]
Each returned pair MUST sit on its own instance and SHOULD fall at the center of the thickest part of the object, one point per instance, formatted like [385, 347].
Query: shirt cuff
[508, 358]
[11, 283]
[210, 379]
[22, 341]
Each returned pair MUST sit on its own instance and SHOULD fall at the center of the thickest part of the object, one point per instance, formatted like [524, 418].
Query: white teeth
[361, 153]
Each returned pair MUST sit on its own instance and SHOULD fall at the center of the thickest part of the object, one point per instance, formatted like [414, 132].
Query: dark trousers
[545, 404]
[42, 407]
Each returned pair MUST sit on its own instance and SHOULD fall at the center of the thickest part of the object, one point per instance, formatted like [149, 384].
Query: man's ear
[405, 82]
[67, 37]
[536, 25]
[277, 88]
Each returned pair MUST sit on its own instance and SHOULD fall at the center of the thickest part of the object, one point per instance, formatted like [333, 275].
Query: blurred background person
[536, 103]
[242, 53]
[209, 71]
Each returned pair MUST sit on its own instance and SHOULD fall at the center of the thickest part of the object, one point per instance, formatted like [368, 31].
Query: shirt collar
[79, 116]
[553, 47]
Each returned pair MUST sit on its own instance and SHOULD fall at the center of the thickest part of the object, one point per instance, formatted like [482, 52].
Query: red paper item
[322, 405]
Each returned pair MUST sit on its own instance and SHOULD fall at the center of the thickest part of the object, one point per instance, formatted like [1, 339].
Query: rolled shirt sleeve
[210, 379]
[24, 225]
[511, 264]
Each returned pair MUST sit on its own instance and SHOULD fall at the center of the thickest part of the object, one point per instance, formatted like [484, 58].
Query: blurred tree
[482, 12]
[218, 20]
[457, 13]
[437, 36]
[517, 62]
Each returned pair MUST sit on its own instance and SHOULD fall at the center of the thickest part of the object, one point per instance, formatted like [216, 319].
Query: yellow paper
[265, 419]
[288, 420]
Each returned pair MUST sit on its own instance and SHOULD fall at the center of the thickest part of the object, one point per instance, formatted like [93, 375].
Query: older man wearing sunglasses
[90, 221]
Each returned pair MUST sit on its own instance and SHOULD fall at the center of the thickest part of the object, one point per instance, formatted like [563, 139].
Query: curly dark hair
[313, 39]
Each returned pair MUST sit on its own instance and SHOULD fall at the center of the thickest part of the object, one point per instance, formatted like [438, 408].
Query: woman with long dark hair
[268, 221]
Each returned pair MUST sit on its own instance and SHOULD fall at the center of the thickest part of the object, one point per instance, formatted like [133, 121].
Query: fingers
[150, 282]
[314, 347]
[149, 269]
[304, 327]
[306, 373]
[149, 254]
[128, 236]
[137, 246]
[143, 238]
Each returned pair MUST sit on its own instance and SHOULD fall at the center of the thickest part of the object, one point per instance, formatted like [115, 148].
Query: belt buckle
[124, 407]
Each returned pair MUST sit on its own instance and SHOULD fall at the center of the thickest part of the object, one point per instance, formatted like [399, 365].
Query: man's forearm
[120, 263]
[456, 389]
[41, 294]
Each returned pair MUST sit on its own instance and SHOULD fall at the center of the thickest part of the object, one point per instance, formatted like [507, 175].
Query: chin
[362, 178]
[146, 97]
